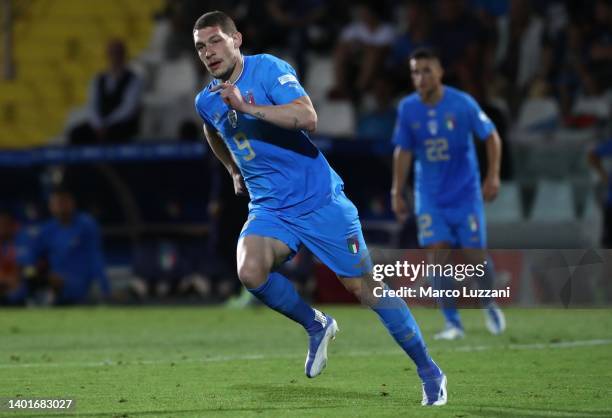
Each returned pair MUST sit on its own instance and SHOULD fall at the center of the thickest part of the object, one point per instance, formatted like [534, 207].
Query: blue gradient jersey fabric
[283, 170]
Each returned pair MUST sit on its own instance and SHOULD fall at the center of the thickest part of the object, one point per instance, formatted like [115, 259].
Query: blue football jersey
[74, 252]
[441, 139]
[283, 170]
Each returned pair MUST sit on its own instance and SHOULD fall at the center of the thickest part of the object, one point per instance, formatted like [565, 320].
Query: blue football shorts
[462, 226]
[332, 233]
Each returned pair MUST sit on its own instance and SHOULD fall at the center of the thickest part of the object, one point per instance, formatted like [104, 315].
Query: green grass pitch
[200, 362]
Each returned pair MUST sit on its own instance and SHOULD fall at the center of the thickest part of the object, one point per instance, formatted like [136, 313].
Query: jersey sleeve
[604, 149]
[281, 83]
[480, 123]
[31, 245]
[200, 110]
[402, 136]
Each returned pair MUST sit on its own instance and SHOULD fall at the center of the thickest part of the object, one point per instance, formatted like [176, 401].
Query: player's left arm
[485, 129]
[297, 115]
[490, 188]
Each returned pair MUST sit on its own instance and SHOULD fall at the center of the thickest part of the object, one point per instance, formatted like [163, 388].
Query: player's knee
[354, 287]
[357, 288]
[252, 273]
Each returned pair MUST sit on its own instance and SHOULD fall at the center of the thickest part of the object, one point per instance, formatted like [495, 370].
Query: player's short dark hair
[216, 18]
[425, 54]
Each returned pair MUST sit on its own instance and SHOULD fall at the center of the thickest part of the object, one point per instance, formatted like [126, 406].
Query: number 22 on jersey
[437, 149]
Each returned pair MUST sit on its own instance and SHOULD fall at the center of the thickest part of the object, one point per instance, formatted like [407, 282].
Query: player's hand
[399, 207]
[239, 186]
[231, 95]
[490, 188]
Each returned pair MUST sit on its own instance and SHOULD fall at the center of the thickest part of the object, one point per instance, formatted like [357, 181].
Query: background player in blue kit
[71, 246]
[256, 119]
[435, 125]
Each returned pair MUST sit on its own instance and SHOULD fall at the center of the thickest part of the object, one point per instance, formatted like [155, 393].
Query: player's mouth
[214, 65]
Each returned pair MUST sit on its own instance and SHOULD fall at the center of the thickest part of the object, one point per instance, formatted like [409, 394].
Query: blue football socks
[279, 294]
[397, 318]
[448, 305]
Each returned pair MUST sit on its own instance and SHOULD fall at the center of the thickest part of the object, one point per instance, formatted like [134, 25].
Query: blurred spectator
[256, 25]
[520, 51]
[298, 23]
[417, 34]
[114, 102]
[598, 47]
[379, 121]
[11, 291]
[66, 255]
[461, 41]
[599, 153]
[490, 9]
[567, 79]
[178, 40]
[583, 62]
[361, 51]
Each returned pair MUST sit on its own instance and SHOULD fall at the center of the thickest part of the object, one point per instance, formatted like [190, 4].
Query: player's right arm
[402, 161]
[220, 150]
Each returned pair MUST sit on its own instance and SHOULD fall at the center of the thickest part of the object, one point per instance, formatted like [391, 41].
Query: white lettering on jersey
[287, 78]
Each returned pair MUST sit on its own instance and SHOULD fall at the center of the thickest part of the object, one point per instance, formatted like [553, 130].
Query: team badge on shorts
[353, 244]
[473, 223]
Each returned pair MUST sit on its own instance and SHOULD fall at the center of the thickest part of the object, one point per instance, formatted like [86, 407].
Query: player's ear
[237, 37]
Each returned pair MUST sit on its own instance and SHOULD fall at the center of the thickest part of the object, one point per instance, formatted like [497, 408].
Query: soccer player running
[256, 120]
[436, 125]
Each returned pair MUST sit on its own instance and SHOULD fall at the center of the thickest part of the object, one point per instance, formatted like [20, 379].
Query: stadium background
[531, 65]
[152, 197]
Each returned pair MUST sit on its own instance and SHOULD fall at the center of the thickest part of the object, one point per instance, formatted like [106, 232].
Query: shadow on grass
[305, 404]
[292, 392]
[511, 412]
[290, 397]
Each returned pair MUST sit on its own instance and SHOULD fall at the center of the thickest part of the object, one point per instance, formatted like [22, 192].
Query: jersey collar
[218, 80]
